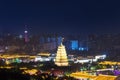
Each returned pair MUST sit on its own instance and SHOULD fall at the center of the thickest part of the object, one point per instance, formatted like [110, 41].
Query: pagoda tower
[61, 56]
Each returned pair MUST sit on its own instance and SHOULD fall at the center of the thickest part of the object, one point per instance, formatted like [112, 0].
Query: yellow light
[31, 72]
[7, 62]
[79, 75]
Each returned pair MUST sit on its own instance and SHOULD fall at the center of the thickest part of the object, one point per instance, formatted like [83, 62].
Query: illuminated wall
[74, 44]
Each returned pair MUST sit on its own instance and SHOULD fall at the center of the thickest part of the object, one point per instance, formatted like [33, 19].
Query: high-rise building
[74, 44]
[26, 36]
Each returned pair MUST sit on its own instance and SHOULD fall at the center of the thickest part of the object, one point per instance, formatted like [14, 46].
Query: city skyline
[72, 17]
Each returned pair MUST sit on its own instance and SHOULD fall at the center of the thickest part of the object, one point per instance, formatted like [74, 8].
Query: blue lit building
[74, 44]
[83, 46]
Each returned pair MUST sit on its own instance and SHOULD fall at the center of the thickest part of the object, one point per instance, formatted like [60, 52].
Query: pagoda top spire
[62, 41]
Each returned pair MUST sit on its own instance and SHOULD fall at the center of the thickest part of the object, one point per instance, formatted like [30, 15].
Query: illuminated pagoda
[61, 56]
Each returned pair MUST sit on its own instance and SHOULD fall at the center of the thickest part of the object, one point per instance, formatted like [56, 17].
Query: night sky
[62, 16]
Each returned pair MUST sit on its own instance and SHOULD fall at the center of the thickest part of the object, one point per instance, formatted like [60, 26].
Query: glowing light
[61, 57]
[81, 49]
[20, 36]
[26, 31]
[84, 75]
[31, 72]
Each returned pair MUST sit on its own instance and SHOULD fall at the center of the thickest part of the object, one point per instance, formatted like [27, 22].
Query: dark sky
[66, 16]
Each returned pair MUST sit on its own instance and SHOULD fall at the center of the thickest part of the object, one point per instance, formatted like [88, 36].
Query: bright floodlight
[26, 31]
